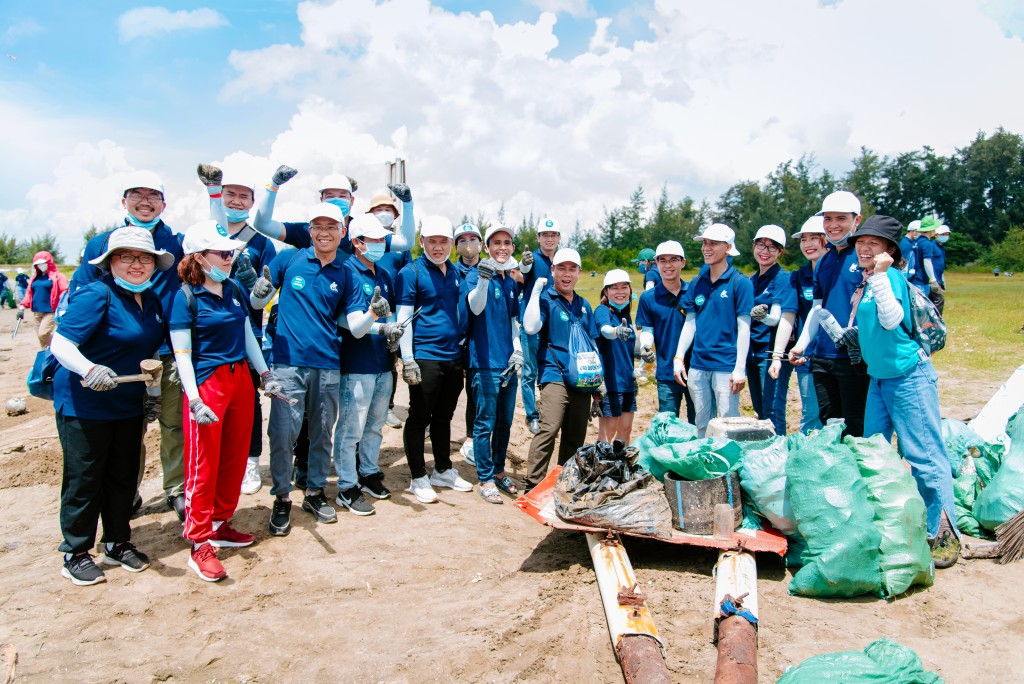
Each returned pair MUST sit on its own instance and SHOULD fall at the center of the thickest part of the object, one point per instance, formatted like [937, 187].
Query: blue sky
[559, 106]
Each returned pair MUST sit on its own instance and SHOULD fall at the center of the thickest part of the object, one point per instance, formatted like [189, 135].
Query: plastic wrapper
[763, 479]
[1003, 496]
[699, 459]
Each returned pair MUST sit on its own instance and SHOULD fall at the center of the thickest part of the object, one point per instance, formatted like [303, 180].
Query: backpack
[585, 371]
[45, 366]
[927, 327]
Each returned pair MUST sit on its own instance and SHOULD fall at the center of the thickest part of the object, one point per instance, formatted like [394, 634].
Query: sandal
[490, 493]
[506, 485]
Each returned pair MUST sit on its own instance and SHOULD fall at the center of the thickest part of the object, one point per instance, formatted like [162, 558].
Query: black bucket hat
[885, 227]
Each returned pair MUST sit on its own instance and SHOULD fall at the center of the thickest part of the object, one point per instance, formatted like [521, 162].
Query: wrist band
[272, 188]
[182, 351]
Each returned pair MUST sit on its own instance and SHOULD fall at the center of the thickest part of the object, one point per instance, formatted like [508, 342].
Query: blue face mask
[148, 225]
[217, 275]
[642, 268]
[943, 238]
[132, 287]
[374, 251]
[342, 203]
[618, 307]
[236, 215]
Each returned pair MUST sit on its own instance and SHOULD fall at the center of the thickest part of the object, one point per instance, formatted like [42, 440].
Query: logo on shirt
[699, 300]
[497, 293]
[564, 316]
[367, 289]
[235, 302]
[808, 293]
[221, 231]
[334, 287]
[725, 294]
[158, 319]
[854, 266]
[298, 282]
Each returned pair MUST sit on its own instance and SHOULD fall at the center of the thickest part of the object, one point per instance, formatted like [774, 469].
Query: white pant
[710, 389]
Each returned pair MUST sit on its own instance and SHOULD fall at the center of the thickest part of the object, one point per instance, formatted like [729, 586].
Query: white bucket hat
[812, 226]
[139, 239]
[719, 232]
[206, 235]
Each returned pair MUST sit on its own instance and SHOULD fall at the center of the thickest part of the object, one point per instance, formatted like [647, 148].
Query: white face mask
[385, 218]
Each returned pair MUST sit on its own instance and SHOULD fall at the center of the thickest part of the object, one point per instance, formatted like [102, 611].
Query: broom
[1011, 539]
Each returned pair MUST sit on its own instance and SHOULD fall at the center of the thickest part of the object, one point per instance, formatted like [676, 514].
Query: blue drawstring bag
[40, 378]
[585, 371]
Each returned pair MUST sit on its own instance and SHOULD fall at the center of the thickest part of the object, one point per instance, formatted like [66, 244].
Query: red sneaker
[204, 561]
[226, 536]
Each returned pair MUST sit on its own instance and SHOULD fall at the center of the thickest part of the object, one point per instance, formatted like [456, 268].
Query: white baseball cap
[548, 225]
[325, 210]
[235, 175]
[772, 232]
[567, 254]
[670, 248]
[367, 226]
[843, 201]
[206, 235]
[942, 230]
[914, 225]
[336, 181]
[142, 179]
[498, 228]
[436, 226]
[466, 229]
[719, 232]
[812, 226]
[616, 275]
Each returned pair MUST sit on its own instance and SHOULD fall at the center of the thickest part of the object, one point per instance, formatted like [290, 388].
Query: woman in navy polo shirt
[211, 338]
[111, 325]
[616, 345]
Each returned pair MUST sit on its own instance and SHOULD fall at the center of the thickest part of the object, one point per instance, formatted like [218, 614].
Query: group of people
[349, 306]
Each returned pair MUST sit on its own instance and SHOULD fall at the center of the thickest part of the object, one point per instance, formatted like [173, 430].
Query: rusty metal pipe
[736, 636]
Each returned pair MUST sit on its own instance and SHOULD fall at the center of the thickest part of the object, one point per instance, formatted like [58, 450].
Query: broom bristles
[1011, 539]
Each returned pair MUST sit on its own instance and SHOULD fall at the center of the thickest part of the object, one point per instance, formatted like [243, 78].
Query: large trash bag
[1003, 496]
[667, 428]
[965, 492]
[763, 479]
[830, 503]
[602, 486]
[900, 515]
[962, 442]
[882, 662]
[699, 459]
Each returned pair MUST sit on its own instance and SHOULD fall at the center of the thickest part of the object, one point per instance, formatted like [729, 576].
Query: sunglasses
[225, 254]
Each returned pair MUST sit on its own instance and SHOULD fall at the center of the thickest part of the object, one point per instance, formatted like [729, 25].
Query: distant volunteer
[45, 288]
[903, 391]
[813, 246]
[111, 325]
[938, 295]
[647, 264]
[842, 389]
[774, 312]
[534, 266]
[307, 349]
[616, 345]
[565, 409]
[432, 362]
[21, 284]
[495, 359]
[924, 251]
[144, 202]
[660, 315]
[369, 300]
[717, 306]
[468, 242]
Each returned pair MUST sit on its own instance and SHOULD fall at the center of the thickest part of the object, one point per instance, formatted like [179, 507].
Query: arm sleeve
[217, 212]
[686, 336]
[477, 297]
[405, 343]
[605, 322]
[67, 353]
[810, 330]
[742, 345]
[264, 221]
[649, 285]
[774, 316]
[517, 344]
[929, 268]
[890, 313]
[646, 336]
[404, 240]
[359, 322]
[181, 343]
[783, 333]
[253, 351]
[531, 317]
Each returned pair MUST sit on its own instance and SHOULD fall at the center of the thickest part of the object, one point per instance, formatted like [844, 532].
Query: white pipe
[615, 574]
[736, 575]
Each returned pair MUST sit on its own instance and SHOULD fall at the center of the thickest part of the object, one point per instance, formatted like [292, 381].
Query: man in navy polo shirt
[365, 367]
[534, 266]
[717, 306]
[660, 317]
[307, 350]
[842, 390]
[495, 356]
[143, 201]
[432, 362]
[564, 409]
[467, 244]
[938, 291]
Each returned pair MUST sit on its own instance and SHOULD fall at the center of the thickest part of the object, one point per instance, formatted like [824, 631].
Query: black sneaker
[137, 504]
[127, 556]
[299, 478]
[82, 571]
[374, 486]
[320, 507]
[177, 504]
[281, 517]
[353, 500]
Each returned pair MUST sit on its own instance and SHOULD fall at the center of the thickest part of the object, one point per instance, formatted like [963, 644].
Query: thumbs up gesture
[624, 330]
[378, 305]
[262, 287]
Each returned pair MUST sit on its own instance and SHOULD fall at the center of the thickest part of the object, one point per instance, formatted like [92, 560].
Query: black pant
[842, 393]
[256, 438]
[101, 467]
[301, 448]
[432, 402]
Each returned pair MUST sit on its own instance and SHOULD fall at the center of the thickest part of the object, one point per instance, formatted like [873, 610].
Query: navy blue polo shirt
[165, 283]
[662, 311]
[771, 287]
[716, 305]
[907, 250]
[802, 282]
[218, 328]
[541, 269]
[490, 333]
[368, 354]
[297, 235]
[923, 249]
[21, 279]
[616, 355]
[464, 268]
[438, 330]
[261, 252]
[41, 288]
[553, 344]
[393, 262]
[308, 308]
[837, 276]
[118, 336]
[652, 275]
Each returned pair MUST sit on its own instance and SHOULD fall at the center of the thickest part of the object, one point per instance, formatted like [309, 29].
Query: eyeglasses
[225, 254]
[768, 246]
[136, 196]
[669, 260]
[144, 259]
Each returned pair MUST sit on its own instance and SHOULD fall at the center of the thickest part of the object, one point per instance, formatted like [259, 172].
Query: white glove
[100, 378]
[262, 287]
[624, 331]
[203, 414]
[378, 305]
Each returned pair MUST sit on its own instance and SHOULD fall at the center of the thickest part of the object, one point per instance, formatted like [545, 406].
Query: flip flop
[506, 485]
[490, 494]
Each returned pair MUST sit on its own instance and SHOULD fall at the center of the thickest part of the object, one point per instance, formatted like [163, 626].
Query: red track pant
[215, 455]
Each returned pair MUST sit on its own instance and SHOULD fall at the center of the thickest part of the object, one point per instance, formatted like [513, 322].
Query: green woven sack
[882, 662]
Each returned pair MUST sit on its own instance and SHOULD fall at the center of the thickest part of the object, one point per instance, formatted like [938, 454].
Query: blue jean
[769, 395]
[529, 383]
[495, 409]
[316, 390]
[364, 402]
[809, 418]
[670, 398]
[910, 405]
[710, 389]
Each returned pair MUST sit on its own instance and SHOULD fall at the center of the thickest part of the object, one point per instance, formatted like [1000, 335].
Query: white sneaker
[251, 482]
[421, 488]
[392, 420]
[467, 452]
[450, 479]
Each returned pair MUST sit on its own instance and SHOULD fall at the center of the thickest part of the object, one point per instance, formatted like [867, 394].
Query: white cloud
[21, 27]
[152, 21]
[576, 8]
